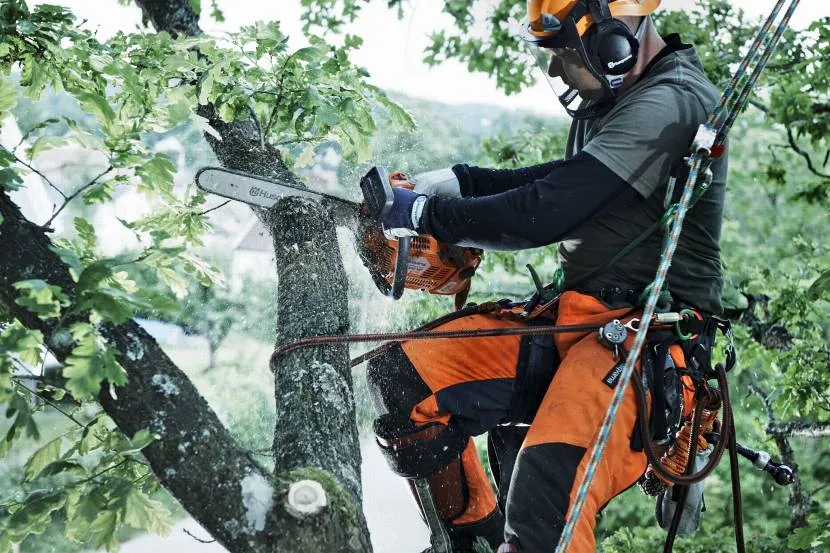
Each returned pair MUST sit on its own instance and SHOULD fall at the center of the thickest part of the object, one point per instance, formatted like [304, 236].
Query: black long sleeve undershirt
[476, 181]
[522, 214]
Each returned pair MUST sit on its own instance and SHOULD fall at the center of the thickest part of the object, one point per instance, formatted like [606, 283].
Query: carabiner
[633, 325]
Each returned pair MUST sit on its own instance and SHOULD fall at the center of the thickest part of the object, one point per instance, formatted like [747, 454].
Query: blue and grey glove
[404, 217]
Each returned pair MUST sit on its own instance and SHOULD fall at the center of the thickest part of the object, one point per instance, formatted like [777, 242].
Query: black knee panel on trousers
[417, 452]
[394, 384]
[539, 496]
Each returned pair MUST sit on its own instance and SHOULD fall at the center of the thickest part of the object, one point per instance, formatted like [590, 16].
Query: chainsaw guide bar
[254, 190]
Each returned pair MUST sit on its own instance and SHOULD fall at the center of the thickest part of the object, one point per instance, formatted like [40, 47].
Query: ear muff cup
[612, 47]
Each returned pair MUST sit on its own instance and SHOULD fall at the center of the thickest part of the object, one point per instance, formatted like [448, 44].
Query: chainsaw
[411, 262]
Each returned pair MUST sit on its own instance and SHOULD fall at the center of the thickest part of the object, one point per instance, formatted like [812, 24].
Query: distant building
[253, 255]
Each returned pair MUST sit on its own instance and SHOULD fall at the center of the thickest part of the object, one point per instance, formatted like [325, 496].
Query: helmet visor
[551, 62]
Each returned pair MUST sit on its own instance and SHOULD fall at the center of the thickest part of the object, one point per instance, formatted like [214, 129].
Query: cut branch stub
[306, 498]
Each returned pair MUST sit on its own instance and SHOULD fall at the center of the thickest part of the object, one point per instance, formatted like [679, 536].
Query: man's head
[586, 47]
[567, 64]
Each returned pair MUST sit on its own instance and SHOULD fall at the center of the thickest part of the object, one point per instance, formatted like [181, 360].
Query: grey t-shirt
[649, 129]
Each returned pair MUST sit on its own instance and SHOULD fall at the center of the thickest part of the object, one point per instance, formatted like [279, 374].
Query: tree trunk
[315, 433]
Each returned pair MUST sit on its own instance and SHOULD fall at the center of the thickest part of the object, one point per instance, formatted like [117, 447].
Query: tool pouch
[693, 506]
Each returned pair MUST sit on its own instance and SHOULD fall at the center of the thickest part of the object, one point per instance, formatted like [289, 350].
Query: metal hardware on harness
[761, 460]
[704, 139]
[668, 318]
[612, 335]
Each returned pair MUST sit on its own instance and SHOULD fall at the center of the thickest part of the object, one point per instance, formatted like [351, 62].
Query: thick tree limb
[195, 457]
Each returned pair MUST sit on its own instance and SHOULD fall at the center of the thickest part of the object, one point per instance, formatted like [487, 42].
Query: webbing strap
[708, 136]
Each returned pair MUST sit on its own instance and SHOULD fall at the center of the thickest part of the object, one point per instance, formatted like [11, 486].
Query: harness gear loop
[687, 313]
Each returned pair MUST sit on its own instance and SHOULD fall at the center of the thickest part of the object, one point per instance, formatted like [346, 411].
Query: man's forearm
[541, 212]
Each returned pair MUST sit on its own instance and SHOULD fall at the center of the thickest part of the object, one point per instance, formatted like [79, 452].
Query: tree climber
[637, 100]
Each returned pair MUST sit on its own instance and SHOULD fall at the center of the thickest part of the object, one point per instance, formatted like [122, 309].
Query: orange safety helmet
[559, 9]
[589, 28]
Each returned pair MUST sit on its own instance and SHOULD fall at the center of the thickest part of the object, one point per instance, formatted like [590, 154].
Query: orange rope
[676, 458]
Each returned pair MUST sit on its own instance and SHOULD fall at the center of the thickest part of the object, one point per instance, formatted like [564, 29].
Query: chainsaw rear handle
[378, 199]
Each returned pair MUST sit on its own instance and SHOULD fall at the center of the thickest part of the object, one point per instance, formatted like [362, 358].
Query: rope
[395, 337]
[706, 138]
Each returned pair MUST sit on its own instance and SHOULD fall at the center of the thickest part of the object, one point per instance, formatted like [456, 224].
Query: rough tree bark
[214, 479]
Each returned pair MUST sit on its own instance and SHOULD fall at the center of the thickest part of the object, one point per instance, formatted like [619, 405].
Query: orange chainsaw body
[432, 267]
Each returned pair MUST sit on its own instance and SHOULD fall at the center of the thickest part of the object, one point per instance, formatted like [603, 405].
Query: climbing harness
[424, 333]
[708, 144]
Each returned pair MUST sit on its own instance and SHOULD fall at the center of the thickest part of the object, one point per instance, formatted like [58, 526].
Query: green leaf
[203, 125]
[146, 514]
[41, 458]
[309, 53]
[35, 514]
[96, 105]
[10, 179]
[142, 439]
[93, 435]
[205, 88]
[86, 232]
[44, 144]
[26, 343]
[64, 467]
[177, 284]
[45, 300]
[92, 275]
[104, 529]
[804, 538]
[90, 363]
[71, 258]
[8, 95]
[157, 174]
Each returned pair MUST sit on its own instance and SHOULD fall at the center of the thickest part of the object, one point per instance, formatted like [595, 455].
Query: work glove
[441, 182]
[693, 506]
[404, 217]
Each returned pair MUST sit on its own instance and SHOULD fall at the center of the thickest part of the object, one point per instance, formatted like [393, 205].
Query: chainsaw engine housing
[431, 267]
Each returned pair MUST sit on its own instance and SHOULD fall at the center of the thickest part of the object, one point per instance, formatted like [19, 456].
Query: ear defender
[610, 44]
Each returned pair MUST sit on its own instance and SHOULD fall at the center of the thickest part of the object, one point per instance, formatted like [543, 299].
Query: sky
[393, 48]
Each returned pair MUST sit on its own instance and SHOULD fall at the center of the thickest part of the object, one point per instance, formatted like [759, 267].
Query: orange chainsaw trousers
[469, 386]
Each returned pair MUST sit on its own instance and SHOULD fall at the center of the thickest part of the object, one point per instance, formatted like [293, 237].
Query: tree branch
[37, 172]
[799, 429]
[799, 500]
[214, 208]
[75, 195]
[797, 149]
